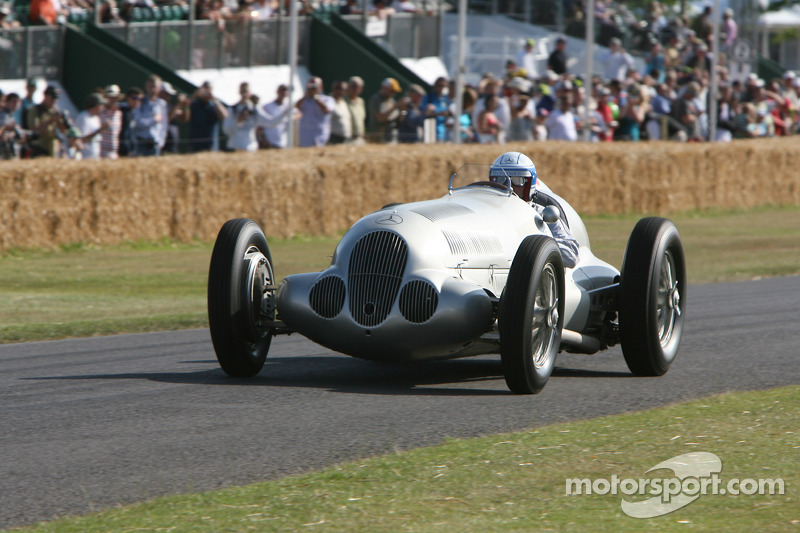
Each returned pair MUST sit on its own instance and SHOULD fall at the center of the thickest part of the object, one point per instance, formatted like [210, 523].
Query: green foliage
[784, 35]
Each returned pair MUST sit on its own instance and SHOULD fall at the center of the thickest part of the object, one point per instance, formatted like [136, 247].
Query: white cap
[168, 88]
[112, 90]
[520, 84]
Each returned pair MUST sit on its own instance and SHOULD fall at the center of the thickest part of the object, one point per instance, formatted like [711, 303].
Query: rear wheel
[240, 304]
[532, 315]
[652, 297]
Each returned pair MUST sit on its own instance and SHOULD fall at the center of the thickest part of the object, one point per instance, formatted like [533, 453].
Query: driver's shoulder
[542, 186]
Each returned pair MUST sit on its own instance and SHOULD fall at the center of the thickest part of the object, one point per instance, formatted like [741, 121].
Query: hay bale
[315, 191]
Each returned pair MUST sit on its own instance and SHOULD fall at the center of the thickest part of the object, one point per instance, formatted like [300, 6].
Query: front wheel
[652, 297]
[532, 315]
[240, 303]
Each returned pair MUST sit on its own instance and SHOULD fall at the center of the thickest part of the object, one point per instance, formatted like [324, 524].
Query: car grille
[418, 301]
[376, 269]
[327, 296]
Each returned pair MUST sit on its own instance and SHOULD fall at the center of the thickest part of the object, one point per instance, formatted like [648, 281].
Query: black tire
[652, 297]
[536, 277]
[387, 206]
[238, 303]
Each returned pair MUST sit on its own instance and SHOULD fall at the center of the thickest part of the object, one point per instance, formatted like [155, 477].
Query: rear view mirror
[551, 214]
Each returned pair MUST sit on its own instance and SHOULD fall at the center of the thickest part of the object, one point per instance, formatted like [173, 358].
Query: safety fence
[31, 51]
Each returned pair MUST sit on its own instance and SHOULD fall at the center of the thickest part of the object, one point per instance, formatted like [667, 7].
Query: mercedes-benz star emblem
[390, 220]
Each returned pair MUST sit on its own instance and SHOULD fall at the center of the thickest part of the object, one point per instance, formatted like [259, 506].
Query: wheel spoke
[667, 299]
[544, 312]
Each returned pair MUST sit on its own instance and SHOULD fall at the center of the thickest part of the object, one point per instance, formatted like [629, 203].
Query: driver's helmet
[516, 168]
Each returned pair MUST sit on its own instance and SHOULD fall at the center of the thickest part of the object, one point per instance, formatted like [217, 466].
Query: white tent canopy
[788, 17]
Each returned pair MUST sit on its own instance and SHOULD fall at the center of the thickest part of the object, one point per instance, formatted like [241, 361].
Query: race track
[89, 423]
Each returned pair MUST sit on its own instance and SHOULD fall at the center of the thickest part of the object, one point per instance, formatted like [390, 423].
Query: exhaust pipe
[578, 342]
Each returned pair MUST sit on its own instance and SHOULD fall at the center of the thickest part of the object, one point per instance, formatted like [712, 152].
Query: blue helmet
[516, 168]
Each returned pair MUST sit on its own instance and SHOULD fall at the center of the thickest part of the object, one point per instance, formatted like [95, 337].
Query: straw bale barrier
[316, 191]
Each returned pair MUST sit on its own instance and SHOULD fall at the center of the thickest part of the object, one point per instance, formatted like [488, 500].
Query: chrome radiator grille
[327, 296]
[376, 269]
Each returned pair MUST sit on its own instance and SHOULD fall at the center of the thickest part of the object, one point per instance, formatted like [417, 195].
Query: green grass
[731, 245]
[513, 482]
[83, 290]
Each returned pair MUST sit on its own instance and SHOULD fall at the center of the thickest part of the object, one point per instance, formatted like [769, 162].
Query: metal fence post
[28, 53]
[415, 33]
[439, 29]
[158, 41]
[190, 35]
[281, 48]
[560, 16]
[220, 45]
[364, 17]
[248, 54]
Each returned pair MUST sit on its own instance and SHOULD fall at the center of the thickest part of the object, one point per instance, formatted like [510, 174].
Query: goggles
[516, 181]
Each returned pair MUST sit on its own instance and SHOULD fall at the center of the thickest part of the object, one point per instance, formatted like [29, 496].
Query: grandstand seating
[158, 13]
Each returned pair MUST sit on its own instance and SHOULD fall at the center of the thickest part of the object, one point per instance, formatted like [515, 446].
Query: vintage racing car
[474, 272]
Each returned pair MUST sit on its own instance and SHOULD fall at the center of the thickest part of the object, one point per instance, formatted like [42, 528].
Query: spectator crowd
[666, 99]
[53, 12]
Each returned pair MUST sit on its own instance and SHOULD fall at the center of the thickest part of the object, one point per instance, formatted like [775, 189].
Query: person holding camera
[316, 107]
[205, 113]
[11, 135]
[240, 125]
[383, 112]
[409, 123]
[45, 121]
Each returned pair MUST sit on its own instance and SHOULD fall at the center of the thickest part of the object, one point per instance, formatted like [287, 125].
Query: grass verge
[513, 482]
[72, 291]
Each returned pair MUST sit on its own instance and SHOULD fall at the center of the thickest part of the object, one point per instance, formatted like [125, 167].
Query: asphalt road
[90, 423]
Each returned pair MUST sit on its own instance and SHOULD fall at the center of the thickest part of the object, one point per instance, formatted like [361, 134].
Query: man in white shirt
[561, 123]
[526, 59]
[274, 117]
[90, 126]
[616, 62]
[341, 119]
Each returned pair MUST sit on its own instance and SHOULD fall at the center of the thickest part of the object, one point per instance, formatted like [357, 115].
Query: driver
[519, 168]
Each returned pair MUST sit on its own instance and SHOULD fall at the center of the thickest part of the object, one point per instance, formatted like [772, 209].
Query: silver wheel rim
[668, 300]
[258, 299]
[544, 326]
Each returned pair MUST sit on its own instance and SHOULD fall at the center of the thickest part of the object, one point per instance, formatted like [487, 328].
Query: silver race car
[474, 272]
